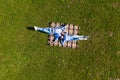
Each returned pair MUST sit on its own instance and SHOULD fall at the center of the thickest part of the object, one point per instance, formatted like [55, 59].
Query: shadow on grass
[30, 28]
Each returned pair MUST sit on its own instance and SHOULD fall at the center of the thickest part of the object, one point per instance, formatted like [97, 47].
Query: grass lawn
[25, 55]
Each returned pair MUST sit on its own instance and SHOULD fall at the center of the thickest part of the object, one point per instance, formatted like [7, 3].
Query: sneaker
[35, 28]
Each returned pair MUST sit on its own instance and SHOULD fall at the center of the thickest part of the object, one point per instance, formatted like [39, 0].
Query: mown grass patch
[25, 55]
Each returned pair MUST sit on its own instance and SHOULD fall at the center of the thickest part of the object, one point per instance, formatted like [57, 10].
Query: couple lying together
[60, 34]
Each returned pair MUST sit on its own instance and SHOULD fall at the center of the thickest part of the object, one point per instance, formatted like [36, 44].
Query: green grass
[25, 55]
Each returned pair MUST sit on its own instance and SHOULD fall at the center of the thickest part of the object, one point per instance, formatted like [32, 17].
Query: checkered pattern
[71, 29]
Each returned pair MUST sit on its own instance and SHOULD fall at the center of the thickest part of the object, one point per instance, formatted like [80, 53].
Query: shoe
[35, 28]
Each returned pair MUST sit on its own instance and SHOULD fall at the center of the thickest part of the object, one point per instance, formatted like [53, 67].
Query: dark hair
[63, 33]
[60, 38]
